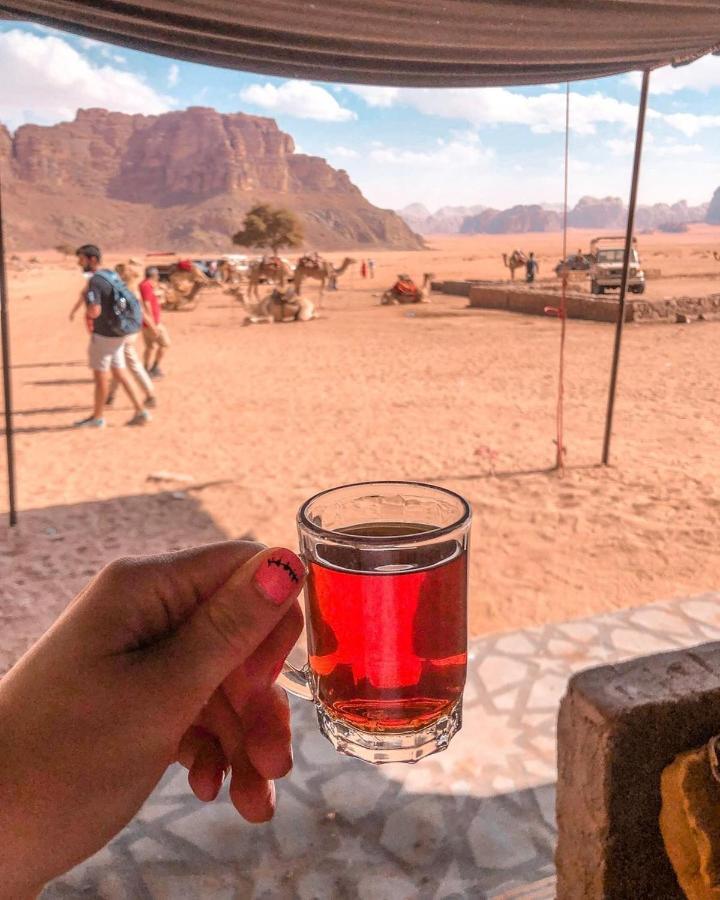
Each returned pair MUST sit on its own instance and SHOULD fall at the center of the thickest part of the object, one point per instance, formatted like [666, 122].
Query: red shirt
[147, 292]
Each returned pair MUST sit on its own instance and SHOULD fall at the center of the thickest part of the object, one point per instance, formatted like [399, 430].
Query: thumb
[226, 629]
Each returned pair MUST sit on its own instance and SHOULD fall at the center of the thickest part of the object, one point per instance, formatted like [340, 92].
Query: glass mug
[385, 617]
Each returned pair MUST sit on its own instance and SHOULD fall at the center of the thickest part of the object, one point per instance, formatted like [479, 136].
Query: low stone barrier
[534, 302]
[618, 727]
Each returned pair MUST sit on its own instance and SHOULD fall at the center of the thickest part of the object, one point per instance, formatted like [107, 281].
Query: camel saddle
[405, 286]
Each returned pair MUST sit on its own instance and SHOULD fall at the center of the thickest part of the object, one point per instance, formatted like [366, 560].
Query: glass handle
[295, 681]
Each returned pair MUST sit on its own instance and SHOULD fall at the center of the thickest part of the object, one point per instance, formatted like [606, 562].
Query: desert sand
[258, 418]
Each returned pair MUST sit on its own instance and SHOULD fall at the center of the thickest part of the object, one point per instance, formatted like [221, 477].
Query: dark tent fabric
[431, 43]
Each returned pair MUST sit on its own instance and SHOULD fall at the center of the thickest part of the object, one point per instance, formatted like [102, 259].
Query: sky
[485, 146]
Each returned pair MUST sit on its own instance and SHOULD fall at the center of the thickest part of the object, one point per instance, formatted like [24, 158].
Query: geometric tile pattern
[475, 821]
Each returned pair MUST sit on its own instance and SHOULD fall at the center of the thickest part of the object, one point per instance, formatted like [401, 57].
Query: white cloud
[702, 75]
[542, 113]
[375, 95]
[173, 75]
[341, 152]
[108, 53]
[45, 80]
[691, 123]
[456, 153]
[678, 150]
[300, 99]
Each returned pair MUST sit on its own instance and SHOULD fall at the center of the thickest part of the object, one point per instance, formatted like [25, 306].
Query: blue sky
[492, 146]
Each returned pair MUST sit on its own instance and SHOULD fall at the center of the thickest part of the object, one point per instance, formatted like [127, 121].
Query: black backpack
[126, 316]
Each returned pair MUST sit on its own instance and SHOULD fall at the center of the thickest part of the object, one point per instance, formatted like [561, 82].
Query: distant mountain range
[589, 212]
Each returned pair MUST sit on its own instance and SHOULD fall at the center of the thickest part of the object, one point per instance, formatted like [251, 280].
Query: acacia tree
[269, 226]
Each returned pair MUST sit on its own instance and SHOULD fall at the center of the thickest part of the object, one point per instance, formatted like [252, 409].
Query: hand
[158, 658]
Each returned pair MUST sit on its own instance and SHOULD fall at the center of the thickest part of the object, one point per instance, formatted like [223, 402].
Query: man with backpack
[115, 313]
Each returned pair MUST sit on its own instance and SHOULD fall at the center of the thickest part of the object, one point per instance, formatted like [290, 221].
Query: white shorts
[106, 353]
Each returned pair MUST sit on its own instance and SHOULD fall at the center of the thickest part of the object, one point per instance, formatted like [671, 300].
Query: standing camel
[321, 271]
[516, 260]
[271, 269]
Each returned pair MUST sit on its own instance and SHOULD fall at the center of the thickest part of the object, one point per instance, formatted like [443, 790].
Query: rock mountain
[589, 212]
[181, 180]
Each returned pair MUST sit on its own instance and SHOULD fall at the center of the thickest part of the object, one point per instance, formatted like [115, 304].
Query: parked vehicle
[606, 271]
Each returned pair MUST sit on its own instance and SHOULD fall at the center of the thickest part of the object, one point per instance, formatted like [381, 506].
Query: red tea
[387, 629]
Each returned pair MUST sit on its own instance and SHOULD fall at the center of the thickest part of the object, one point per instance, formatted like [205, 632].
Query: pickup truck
[607, 266]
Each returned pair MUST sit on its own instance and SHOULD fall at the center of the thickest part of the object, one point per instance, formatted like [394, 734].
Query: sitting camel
[516, 260]
[270, 269]
[406, 291]
[277, 306]
[320, 269]
[184, 285]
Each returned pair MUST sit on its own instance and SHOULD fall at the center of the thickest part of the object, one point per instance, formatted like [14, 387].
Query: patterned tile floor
[476, 821]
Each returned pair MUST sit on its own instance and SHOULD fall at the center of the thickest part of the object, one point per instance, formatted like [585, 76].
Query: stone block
[618, 728]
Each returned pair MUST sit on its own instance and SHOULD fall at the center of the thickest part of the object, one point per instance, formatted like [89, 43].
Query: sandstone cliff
[713, 213]
[182, 178]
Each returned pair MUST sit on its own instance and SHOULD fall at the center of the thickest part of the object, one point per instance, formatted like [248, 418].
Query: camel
[323, 271]
[516, 260]
[277, 306]
[716, 255]
[271, 269]
[228, 272]
[398, 295]
[184, 285]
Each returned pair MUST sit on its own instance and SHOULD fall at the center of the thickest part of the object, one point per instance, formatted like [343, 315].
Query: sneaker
[140, 418]
[90, 422]
[155, 373]
[151, 402]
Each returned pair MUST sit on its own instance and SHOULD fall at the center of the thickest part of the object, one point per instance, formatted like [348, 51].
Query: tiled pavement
[476, 821]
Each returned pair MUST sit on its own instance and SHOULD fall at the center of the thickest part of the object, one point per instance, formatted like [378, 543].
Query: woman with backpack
[115, 313]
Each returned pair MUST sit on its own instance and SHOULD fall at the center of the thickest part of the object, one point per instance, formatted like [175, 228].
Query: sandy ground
[261, 417]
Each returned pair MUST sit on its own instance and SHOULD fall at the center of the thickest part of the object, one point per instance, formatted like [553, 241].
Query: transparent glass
[385, 616]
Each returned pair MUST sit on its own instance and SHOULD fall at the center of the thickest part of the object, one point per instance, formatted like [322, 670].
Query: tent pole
[7, 387]
[626, 265]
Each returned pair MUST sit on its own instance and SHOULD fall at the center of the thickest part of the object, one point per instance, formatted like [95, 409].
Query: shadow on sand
[54, 551]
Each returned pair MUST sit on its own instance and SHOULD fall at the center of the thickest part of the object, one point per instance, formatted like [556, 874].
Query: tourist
[531, 268]
[128, 272]
[110, 329]
[371, 267]
[155, 335]
[158, 659]
[363, 269]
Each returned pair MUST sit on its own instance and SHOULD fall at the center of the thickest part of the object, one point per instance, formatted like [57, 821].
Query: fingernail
[279, 575]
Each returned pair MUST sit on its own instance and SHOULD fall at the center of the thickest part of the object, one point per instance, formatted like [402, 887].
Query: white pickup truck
[607, 266]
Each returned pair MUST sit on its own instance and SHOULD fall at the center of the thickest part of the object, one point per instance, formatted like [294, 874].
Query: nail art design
[278, 576]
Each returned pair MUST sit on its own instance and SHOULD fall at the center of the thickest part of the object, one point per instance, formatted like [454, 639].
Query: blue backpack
[126, 316]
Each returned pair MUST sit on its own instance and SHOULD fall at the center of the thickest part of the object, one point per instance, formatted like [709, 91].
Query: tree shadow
[54, 551]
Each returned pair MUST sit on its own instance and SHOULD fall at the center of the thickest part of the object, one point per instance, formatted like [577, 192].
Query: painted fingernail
[279, 575]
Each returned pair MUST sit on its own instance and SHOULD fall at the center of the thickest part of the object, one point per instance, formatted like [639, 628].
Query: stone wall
[534, 302]
[618, 727]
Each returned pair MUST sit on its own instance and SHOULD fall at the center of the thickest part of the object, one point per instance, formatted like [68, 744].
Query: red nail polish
[279, 576]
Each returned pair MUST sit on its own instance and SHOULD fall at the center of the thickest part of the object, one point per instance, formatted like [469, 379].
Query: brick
[618, 728]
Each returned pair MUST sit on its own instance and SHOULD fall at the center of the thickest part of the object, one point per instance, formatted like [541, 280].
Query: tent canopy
[431, 43]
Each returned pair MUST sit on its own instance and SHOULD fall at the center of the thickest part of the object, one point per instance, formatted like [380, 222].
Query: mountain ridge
[588, 212]
[180, 178]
